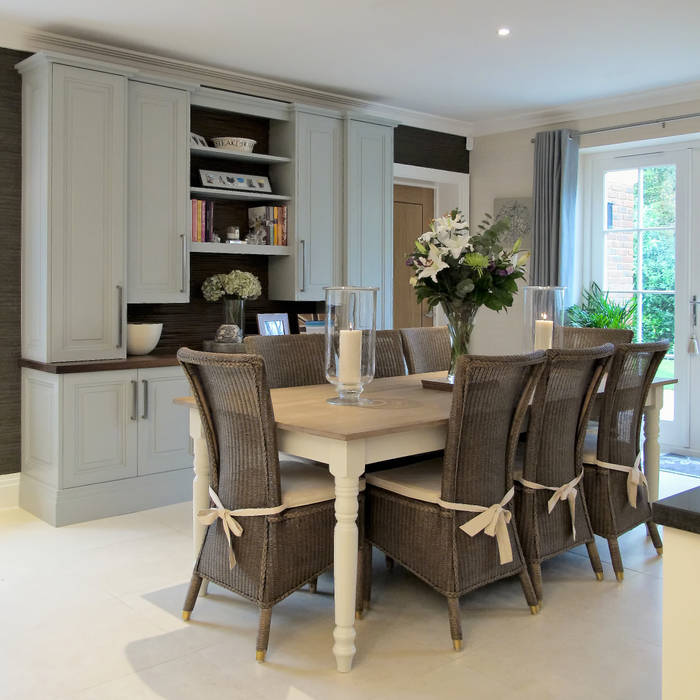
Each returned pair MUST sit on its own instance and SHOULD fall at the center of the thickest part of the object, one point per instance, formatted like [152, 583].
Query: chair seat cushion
[590, 444]
[422, 481]
[303, 483]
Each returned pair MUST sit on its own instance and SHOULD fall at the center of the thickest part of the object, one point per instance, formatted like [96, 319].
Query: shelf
[239, 249]
[236, 195]
[240, 157]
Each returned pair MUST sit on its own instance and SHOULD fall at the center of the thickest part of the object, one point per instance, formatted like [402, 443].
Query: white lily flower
[457, 244]
[432, 264]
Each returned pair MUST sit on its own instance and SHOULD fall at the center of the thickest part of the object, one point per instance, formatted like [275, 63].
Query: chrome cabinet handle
[134, 399]
[184, 261]
[120, 305]
[302, 260]
[145, 398]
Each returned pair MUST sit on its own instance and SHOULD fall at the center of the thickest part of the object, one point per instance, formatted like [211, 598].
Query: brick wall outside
[620, 245]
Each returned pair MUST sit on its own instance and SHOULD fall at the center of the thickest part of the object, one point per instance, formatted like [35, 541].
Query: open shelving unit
[209, 152]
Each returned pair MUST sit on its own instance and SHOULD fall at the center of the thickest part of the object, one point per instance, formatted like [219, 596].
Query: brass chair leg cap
[539, 605]
[534, 609]
[260, 657]
[458, 644]
[620, 576]
[186, 615]
[359, 614]
[660, 551]
[599, 575]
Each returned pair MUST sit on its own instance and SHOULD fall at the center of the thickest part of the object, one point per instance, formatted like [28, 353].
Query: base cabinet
[96, 444]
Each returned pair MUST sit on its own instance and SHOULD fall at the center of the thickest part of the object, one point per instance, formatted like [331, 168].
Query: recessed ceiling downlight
[503, 31]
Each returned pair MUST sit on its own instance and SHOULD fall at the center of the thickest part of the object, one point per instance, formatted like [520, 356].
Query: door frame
[451, 190]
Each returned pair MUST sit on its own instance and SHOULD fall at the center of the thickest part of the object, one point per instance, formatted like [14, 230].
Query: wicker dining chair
[435, 517]
[426, 349]
[276, 529]
[549, 502]
[568, 337]
[389, 359]
[291, 360]
[615, 486]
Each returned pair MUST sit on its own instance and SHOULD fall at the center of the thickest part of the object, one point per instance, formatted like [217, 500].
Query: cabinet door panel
[158, 223]
[99, 427]
[88, 235]
[369, 213]
[164, 439]
[319, 202]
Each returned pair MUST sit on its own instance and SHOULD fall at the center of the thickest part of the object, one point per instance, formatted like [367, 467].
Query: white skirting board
[76, 505]
[9, 490]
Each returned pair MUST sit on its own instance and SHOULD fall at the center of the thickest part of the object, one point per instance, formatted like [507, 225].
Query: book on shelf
[203, 221]
[272, 220]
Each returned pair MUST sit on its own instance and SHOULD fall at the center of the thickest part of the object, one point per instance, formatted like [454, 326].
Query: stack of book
[203, 221]
[273, 220]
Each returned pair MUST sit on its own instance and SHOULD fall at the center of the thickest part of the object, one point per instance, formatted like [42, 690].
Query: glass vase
[350, 342]
[544, 314]
[232, 329]
[460, 324]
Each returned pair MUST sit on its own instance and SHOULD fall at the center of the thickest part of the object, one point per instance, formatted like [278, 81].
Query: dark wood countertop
[130, 362]
[681, 511]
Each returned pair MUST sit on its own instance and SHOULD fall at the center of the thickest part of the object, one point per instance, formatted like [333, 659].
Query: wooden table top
[401, 404]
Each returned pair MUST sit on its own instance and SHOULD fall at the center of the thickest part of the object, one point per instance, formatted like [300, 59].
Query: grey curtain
[554, 211]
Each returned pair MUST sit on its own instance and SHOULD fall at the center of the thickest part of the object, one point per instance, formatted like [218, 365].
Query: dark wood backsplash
[190, 324]
[10, 239]
[430, 149]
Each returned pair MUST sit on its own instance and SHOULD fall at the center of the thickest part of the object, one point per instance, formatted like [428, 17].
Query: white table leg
[347, 464]
[652, 450]
[200, 486]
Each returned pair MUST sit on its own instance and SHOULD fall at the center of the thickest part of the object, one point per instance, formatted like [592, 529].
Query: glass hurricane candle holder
[350, 342]
[544, 314]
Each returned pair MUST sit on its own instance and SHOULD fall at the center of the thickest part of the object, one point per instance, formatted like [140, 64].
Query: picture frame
[197, 140]
[235, 181]
[273, 324]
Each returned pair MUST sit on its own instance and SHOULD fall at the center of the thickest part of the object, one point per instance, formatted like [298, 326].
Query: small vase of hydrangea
[462, 272]
[234, 288]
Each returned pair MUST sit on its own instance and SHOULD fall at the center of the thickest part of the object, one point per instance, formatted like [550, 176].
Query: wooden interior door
[413, 212]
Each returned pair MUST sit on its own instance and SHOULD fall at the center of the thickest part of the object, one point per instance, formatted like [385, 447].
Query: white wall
[501, 166]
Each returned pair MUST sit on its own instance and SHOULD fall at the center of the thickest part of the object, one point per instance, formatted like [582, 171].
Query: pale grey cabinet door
[158, 194]
[318, 204]
[100, 427]
[87, 240]
[369, 160]
[164, 438]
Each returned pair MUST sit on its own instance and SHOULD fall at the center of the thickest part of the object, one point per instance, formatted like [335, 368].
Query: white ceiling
[441, 56]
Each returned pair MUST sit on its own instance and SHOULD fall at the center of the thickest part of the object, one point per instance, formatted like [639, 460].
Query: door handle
[144, 415]
[134, 399]
[302, 260]
[120, 305]
[184, 263]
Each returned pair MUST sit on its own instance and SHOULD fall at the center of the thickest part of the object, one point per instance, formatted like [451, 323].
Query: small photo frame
[273, 324]
[197, 140]
[235, 181]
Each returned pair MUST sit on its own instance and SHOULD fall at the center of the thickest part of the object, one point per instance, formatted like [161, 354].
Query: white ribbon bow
[230, 524]
[635, 477]
[492, 521]
[567, 492]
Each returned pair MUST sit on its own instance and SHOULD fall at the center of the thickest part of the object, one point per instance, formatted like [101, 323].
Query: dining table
[404, 419]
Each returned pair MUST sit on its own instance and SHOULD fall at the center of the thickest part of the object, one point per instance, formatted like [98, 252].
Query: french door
[641, 252]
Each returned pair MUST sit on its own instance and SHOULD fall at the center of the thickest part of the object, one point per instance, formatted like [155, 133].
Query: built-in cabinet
[74, 213]
[159, 215]
[112, 431]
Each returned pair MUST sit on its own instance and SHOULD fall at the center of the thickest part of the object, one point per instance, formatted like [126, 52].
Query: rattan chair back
[490, 399]
[559, 413]
[426, 349]
[234, 402]
[389, 359]
[570, 338]
[291, 360]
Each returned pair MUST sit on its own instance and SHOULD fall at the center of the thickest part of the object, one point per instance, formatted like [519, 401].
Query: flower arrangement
[463, 271]
[237, 284]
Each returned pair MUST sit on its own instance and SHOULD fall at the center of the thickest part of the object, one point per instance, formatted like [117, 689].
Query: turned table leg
[652, 450]
[200, 486]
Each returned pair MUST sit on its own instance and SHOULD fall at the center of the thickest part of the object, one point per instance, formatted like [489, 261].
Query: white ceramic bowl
[234, 143]
[141, 338]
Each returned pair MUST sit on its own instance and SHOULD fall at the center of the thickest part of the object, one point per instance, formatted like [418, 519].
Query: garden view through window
[640, 252]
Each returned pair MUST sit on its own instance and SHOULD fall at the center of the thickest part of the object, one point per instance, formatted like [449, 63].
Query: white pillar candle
[350, 357]
[544, 330]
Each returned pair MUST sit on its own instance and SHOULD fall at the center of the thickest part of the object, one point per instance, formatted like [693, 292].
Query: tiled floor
[92, 612]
